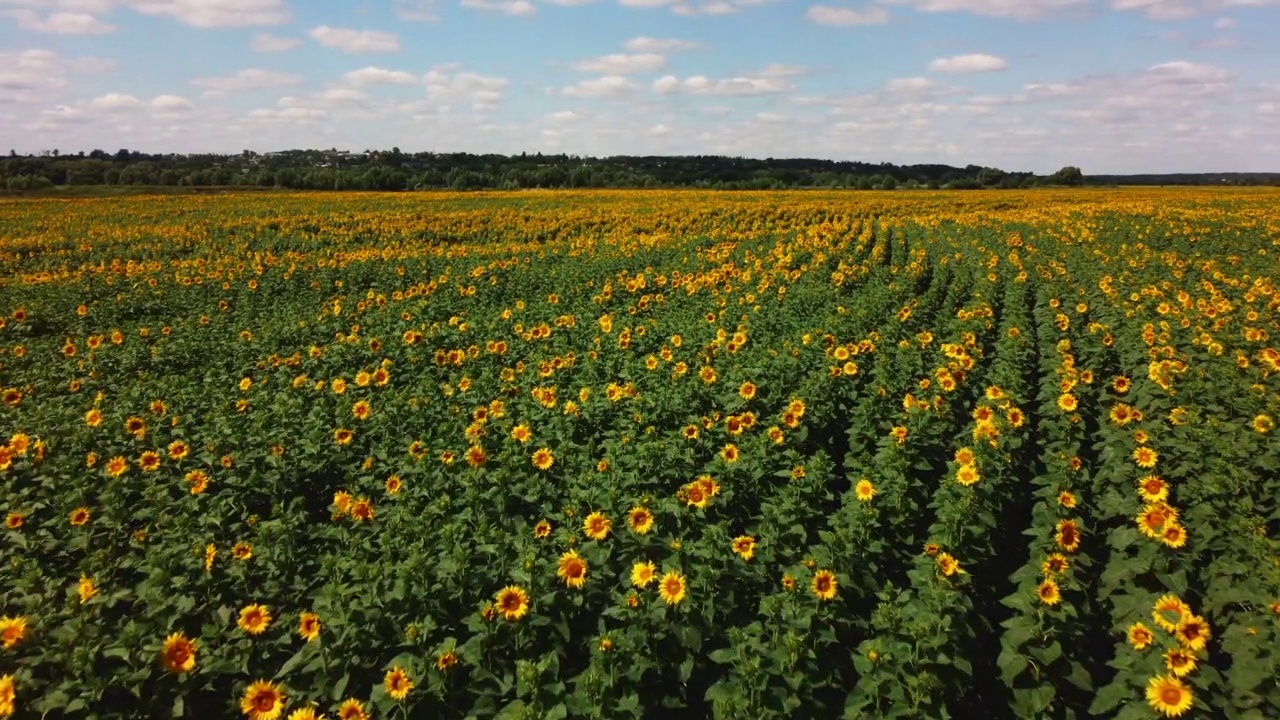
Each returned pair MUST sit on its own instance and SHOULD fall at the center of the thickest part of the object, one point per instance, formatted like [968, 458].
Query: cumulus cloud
[113, 101]
[972, 63]
[1016, 9]
[605, 87]
[565, 116]
[622, 64]
[644, 44]
[449, 84]
[505, 7]
[215, 13]
[646, 3]
[379, 76]
[702, 85]
[846, 16]
[906, 85]
[355, 42]
[248, 79]
[267, 43]
[60, 23]
[289, 114]
[1158, 9]
[171, 103]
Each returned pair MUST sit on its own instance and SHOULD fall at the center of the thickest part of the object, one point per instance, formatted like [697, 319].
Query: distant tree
[1069, 175]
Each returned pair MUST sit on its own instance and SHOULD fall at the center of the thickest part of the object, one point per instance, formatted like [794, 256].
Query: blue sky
[1109, 85]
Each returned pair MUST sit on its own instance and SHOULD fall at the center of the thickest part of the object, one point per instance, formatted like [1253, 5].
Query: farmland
[612, 454]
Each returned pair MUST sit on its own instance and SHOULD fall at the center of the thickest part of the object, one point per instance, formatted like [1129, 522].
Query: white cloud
[113, 101]
[906, 85]
[264, 42]
[40, 76]
[1183, 72]
[505, 7]
[565, 116]
[449, 84]
[702, 85]
[647, 3]
[972, 63]
[645, 44]
[248, 79]
[846, 16]
[772, 118]
[215, 13]
[607, 86]
[1269, 108]
[60, 23]
[622, 64]
[171, 103]
[1163, 10]
[379, 76]
[779, 70]
[1224, 23]
[1017, 9]
[712, 7]
[355, 42]
[289, 114]
[571, 3]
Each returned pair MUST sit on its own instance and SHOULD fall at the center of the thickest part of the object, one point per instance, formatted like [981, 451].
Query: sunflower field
[641, 454]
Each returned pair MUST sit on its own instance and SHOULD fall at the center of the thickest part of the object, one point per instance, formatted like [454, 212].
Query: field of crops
[660, 454]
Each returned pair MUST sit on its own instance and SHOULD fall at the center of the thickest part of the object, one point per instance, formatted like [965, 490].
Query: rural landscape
[639, 454]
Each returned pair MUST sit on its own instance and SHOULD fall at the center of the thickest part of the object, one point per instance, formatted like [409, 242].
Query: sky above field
[1108, 85]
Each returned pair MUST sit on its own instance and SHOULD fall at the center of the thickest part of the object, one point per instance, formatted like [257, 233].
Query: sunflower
[93, 418]
[967, 475]
[306, 713]
[397, 683]
[864, 490]
[308, 626]
[1153, 489]
[1174, 535]
[948, 564]
[1067, 402]
[352, 709]
[394, 485]
[362, 510]
[1154, 517]
[1067, 535]
[1169, 611]
[362, 410]
[1139, 636]
[1179, 661]
[542, 529]
[744, 546]
[86, 589]
[476, 456]
[446, 660]
[747, 391]
[149, 461]
[12, 630]
[242, 551]
[640, 519]
[136, 427]
[210, 552]
[79, 516]
[117, 466]
[597, 526]
[1145, 457]
[643, 573]
[8, 694]
[1192, 632]
[343, 436]
[254, 619]
[262, 700]
[824, 585]
[1055, 564]
[690, 432]
[730, 453]
[543, 459]
[1049, 593]
[899, 434]
[672, 588]
[512, 602]
[521, 434]
[572, 569]
[14, 520]
[1168, 695]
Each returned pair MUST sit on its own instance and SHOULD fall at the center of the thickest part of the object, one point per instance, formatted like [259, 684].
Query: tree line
[393, 169]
